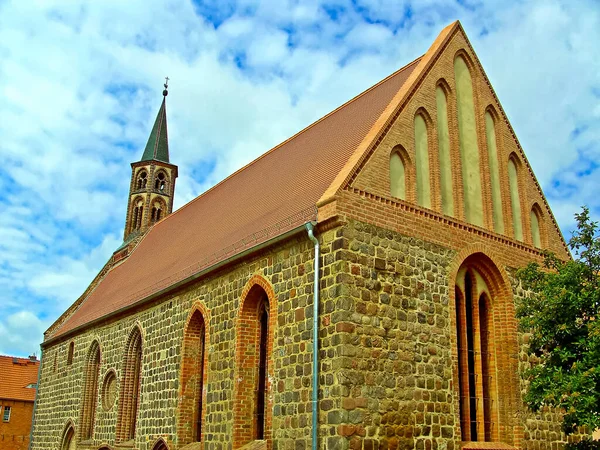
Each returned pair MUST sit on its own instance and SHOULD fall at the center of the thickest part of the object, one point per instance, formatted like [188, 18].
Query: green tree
[562, 316]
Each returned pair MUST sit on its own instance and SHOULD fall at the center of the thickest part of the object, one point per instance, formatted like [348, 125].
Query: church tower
[152, 180]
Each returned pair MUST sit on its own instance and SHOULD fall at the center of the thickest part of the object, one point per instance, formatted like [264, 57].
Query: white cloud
[80, 86]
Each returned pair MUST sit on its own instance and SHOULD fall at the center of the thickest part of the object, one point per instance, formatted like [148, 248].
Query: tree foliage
[562, 316]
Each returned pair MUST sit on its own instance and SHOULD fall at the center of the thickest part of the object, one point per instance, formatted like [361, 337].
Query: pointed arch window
[252, 364]
[137, 214]
[158, 211]
[193, 374]
[70, 353]
[142, 179]
[68, 439]
[476, 357]
[130, 387]
[90, 391]
[160, 182]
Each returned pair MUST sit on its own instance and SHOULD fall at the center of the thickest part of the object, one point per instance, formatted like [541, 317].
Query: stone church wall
[387, 359]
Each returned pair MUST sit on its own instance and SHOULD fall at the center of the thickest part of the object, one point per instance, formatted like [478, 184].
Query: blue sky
[80, 84]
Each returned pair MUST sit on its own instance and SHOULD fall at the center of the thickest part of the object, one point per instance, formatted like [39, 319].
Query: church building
[352, 288]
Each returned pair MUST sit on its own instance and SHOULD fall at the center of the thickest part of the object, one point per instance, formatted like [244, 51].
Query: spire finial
[166, 85]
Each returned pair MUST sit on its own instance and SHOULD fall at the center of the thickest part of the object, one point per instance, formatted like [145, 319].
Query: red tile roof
[272, 195]
[15, 375]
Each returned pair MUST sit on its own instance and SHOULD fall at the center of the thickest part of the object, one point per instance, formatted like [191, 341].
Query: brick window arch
[160, 445]
[537, 226]
[70, 353]
[484, 311]
[90, 391]
[400, 173]
[193, 378]
[444, 151]
[254, 343]
[67, 441]
[422, 164]
[515, 196]
[130, 386]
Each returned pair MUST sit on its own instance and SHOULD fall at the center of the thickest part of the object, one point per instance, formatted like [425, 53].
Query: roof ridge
[343, 105]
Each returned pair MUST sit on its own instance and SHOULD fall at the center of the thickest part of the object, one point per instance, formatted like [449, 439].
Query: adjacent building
[409, 208]
[18, 384]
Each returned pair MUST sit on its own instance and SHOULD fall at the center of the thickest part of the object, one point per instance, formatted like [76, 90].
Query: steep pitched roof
[269, 197]
[16, 374]
[157, 147]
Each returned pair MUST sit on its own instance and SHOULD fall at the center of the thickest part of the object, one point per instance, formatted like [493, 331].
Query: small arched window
[70, 353]
[68, 439]
[158, 211]
[137, 214]
[160, 182]
[142, 179]
[398, 173]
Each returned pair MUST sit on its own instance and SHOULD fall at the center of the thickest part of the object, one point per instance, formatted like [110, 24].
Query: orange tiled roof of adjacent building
[15, 375]
[272, 195]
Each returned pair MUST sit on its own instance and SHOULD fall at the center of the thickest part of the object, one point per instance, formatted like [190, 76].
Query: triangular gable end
[395, 130]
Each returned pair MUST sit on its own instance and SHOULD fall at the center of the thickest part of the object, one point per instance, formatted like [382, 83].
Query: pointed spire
[157, 147]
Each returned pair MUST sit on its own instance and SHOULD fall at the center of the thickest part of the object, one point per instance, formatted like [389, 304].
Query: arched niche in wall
[443, 134]
[399, 172]
[537, 226]
[422, 158]
[467, 133]
[515, 196]
[496, 190]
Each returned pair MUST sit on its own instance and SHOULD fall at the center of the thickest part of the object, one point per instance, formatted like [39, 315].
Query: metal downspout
[315, 375]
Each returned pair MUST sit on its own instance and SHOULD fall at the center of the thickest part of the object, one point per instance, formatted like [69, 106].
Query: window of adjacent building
[70, 353]
[6, 414]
